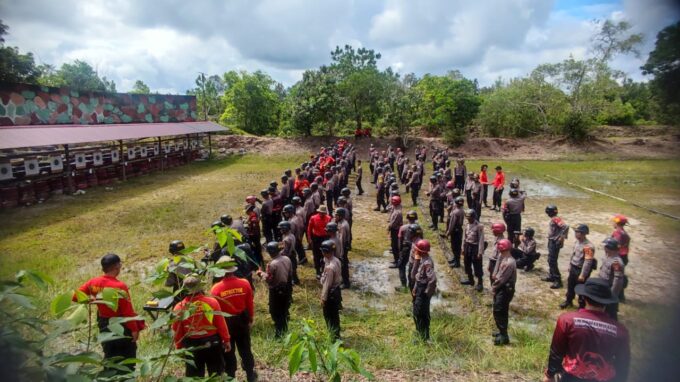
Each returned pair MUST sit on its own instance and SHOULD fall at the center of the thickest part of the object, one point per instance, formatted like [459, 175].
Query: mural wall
[22, 104]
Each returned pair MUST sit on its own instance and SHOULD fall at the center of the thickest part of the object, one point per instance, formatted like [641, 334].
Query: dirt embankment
[618, 142]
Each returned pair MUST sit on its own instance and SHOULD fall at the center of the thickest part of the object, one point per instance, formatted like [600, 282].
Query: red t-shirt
[234, 295]
[483, 178]
[198, 322]
[96, 285]
[499, 179]
[317, 225]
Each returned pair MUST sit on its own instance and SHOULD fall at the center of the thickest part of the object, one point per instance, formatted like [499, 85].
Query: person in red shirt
[235, 297]
[484, 180]
[620, 235]
[300, 184]
[123, 347]
[210, 337]
[498, 186]
[588, 345]
[316, 231]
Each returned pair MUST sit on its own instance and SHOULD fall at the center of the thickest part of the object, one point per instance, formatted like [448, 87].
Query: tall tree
[664, 64]
[78, 75]
[140, 88]
[251, 102]
[401, 106]
[314, 101]
[14, 66]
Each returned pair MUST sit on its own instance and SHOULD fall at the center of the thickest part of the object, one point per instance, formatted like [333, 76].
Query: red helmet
[251, 199]
[423, 246]
[497, 228]
[396, 200]
[503, 245]
[620, 219]
[450, 185]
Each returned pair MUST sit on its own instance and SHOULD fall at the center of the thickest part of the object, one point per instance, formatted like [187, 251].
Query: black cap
[226, 219]
[598, 290]
[272, 248]
[582, 228]
[611, 243]
[109, 260]
[176, 246]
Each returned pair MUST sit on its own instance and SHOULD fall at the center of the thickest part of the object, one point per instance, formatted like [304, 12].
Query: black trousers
[344, 268]
[514, 222]
[240, 339]
[330, 197]
[501, 307]
[421, 311]
[459, 182]
[572, 281]
[316, 252]
[497, 197]
[469, 200]
[411, 282]
[279, 302]
[380, 198]
[255, 242]
[456, 243]
[210, 356]
[436, 211]
[553, 254]
[276, 219]
[485, 193]
[400, 172]
[268, 228]
[359, 187]
[123, 348]
[525, 259]
[394, 243]
[300, 250]
[294, 264]
[404, 253]
[470, 261]
[415, 190]
[331, 311]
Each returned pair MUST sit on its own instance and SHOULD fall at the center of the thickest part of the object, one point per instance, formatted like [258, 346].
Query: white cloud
[166, 43]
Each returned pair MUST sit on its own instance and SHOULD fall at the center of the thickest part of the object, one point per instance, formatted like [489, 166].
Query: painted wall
[22, 104]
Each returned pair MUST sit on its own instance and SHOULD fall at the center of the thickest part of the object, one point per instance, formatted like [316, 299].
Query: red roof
[12, 137]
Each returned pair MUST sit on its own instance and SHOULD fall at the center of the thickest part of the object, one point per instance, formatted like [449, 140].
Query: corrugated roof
[13, 137]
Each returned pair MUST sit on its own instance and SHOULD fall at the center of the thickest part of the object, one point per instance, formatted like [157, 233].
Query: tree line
[567, 98]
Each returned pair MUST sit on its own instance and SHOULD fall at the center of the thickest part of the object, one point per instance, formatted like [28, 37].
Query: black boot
[480, 285]
[548, 279]
[566, 304]
[501, 339]
[467, 282]
[557, 284]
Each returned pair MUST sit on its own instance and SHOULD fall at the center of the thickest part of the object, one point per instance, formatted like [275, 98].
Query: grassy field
[137, 220]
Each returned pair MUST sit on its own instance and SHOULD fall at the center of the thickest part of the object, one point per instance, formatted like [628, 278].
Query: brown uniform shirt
[527, 246]
[557, 229]
[395, 219]
[331, 276]
[297, 227]
[310, 207]
[456, 220]
[425, 275]
[343, 233]
[495, 254]
[279, 272]
[583, 256]
[505, 273]
[474, 235]
[612, 270]
[515, 205]
[288, 241]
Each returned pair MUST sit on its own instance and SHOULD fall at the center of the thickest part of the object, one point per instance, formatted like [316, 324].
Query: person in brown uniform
[503, 289]
[455, 230]
[344, 236]
[512, 212]
[394, 222]
[612, 271]
[289, 243]
[498, 230]
[473, 249]
[360, 174]
[581, 264]
[331, 295]
[476, 194]
[405, 245]
[425, 285]
[297, 228]
[437, 197]
[558, 231]
[416, 233]
[279, 278]
[527, 254]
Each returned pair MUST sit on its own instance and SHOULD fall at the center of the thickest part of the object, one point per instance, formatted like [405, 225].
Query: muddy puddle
[541, 189]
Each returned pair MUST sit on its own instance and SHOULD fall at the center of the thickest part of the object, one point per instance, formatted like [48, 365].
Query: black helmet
[217, 223]
[345, 191]
[264, 193]
[306, 191]
[328, 246]
[470, 212]
[271, 190]
[314, 186]
[412, 215]
[342, 201]
[341, 212]
[514, 192]
[551, 210]
[284, 179]
[245, 247]
[226, 219]
[296, 200]
[415, 229]
[611, 243]
[529, 232]
[272, 248]
[583, 228]
[176, 246]
[433, 178]
[332, 227]
[288, 172]
[394, 186]
[459, 200]
[273, 184]
[284, 226]
[455, 192]
[289, 209]
[514, 183]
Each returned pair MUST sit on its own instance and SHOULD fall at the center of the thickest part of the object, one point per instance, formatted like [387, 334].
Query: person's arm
[617, 285]
[432, 280]
[588, 254]
[309, 228]
[480, 250]
[558, 348]
[249, 302]
[125, 309]
[326, 283]
[85, 288]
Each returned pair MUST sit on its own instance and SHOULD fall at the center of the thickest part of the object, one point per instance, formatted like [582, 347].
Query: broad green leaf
[91, 358]
[234, 233]
[81, 297]
[111, 296]
[39, 279]
[312, 358]
[207, 311]
[60, 304]
[117, 328]
[78, 316]
[161, 321]
[108, 336]
[20, 300]
[188, 250]
[163, 293]
[295, 358]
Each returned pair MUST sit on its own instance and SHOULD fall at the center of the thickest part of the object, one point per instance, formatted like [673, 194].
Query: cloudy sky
[166, 43]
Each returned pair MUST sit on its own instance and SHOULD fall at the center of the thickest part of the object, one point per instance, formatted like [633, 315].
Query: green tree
[251, 102]
[401, 106]
[78, 75]
[140, 88]
[14, 66]
[664, 64]
[209, 92]
[314, 101]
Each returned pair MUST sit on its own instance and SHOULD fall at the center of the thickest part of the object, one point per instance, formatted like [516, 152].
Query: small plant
[319, 355]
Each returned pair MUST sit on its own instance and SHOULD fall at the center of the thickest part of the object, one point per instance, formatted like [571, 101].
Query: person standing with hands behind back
[498, 187]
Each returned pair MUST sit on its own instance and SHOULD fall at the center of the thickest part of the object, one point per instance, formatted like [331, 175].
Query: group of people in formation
[315, 204]
[450, 190]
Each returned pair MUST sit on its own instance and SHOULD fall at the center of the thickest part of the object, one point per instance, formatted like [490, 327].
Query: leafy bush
[577, 126]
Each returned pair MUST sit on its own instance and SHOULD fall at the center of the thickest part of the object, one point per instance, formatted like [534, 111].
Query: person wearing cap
[498, 186]
[476, 195]
[122, 347]
[473, 250]
[277, 207]
[455, 230]
[291, 182]
[331, 280]
[613, 271]
[498, 230]
[279, 277]
[558, 231]
[285, 190]
[394, 222]
[415, 182]
[330, 180]
[622, 237]
[503, 281]
[254, 235]
[416, 233]
[209, 337]
[512, 212]
[460, 174]
[527, 254]
[288, 244]
[235, 297]
[267, 216]
[581, 263]
[425, 280]
[344, 236]
[468, 190]
[316, 231]
[588, 345]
